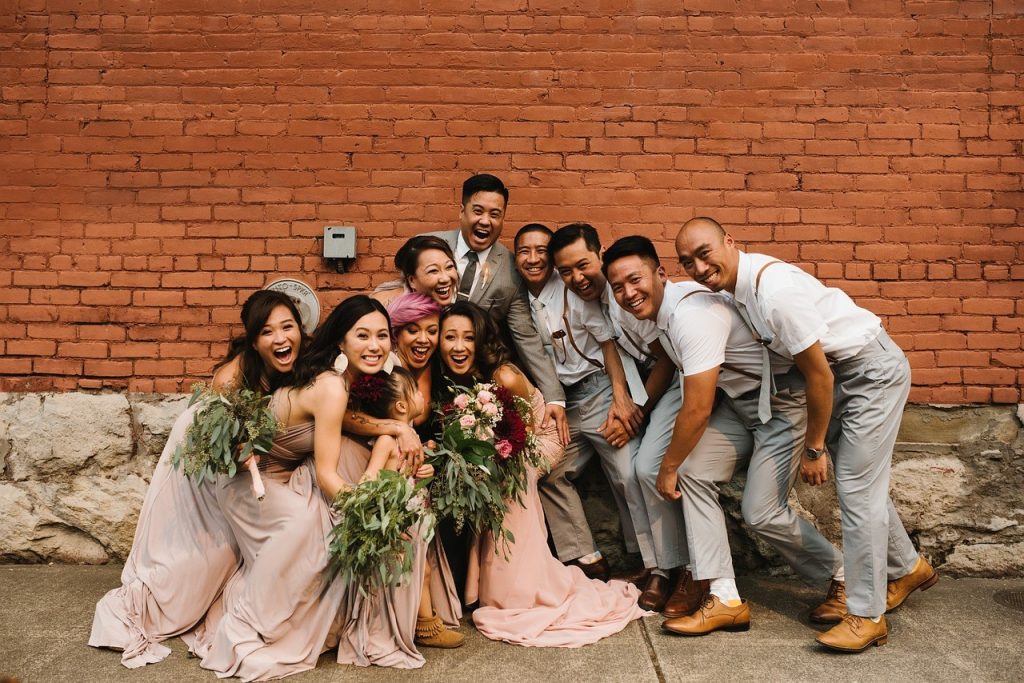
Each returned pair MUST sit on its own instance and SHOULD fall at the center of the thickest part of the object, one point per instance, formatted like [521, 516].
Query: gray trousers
[734, 437]
[870, 392]
[664, 518]
[587, 404]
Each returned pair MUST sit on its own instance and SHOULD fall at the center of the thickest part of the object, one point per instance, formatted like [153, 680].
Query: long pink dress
[275, 613]
[183, 553]
[531, 598]
[380, 628]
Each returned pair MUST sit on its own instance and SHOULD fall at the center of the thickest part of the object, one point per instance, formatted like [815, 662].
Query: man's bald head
[708, 253]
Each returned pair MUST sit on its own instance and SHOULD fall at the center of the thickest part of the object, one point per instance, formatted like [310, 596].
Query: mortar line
[652, 655]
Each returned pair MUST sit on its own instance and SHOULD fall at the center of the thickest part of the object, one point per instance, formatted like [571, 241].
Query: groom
[488, 277]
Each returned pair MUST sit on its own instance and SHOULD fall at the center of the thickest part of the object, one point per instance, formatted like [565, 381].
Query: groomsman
[580, 341]
[857, 380]
[725, 421]
[654, 386]
[488, 277]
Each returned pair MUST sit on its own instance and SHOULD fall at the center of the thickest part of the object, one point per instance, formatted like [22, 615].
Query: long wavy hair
[489, 350]
[323, 349]
[255, 312]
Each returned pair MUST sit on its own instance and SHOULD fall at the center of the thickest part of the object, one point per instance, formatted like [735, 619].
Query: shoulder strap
[568, 331]
[757, 279]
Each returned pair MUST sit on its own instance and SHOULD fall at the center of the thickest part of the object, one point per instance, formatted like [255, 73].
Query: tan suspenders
[568, 331]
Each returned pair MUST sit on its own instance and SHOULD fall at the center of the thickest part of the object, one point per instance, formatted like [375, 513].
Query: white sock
[726, 590]
[591, 558]
[875, 619]
[840, 575]
[659, 572]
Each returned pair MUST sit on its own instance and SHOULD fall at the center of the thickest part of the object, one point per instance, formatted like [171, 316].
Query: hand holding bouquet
[371, 546]
[230, 427]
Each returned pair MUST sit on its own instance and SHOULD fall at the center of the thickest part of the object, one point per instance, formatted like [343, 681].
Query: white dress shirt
[634, 335]
[705, 331]
[461, 262]
[586, 323]
[792, 309]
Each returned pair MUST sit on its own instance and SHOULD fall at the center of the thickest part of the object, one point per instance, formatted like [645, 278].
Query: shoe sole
[923, 586]
[877, 642]
[736, 628]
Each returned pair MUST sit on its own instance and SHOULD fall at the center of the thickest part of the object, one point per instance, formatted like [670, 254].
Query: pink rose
[490, 409]
[484, 397]
[461, 401]
[504, 449]
[467, 421]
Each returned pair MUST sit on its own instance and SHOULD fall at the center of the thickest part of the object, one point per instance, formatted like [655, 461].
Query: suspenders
[730, 366]
[568, 331]
[757, 286]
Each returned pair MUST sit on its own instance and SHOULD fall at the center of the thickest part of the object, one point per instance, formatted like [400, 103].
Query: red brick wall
[160, 160]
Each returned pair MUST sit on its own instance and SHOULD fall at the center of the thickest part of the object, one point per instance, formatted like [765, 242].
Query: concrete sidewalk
[955, 631]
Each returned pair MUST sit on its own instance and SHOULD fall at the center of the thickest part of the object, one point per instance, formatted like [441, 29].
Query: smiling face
[532, 259]
[638, 286]
[580, 270]
[416, 342]
[481, 219]
[278, 341]
[458, 344]
[367, 344]
[708, 256]
[436, 276]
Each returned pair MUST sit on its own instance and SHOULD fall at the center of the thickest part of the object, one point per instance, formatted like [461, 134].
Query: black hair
[567, 234]
[255, 312]
[528, 228]
[634, 245]
[483, 182]
[323, 349]
[407, 259]
[377, 394]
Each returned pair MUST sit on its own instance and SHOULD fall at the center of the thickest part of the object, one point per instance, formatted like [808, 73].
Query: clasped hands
[624, 421]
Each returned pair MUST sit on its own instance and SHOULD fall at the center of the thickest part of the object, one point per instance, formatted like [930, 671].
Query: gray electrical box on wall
[340, 241]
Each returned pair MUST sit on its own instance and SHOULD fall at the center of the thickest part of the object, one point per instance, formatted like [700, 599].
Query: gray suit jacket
[503, 295]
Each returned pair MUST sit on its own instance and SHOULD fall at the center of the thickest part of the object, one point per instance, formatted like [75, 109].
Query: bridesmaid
[277, 612]
[414, 328]
[184, 550]
[427, 265]
[528, 598]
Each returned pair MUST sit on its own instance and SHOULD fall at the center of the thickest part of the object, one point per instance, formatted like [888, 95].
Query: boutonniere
[485, 275]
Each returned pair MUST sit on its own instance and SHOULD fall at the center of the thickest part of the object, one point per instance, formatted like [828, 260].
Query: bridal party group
[751, 365]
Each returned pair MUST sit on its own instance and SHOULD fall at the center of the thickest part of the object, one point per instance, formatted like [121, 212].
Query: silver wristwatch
[814, 453]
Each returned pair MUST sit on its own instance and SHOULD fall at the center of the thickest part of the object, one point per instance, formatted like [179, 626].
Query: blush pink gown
[532, 599]
[183, 553]
[380, 628]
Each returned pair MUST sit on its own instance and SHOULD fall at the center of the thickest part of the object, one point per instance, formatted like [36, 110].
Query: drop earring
[341, 363]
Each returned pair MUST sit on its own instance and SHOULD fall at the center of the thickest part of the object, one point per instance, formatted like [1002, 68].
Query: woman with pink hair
[414, 328]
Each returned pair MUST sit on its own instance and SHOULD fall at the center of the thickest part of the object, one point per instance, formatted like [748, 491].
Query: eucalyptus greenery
[464, 487]
[371, 546]
[228, 427]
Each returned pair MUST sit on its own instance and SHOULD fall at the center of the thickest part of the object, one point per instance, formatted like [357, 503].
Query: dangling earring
[389, 364]
[341, 363]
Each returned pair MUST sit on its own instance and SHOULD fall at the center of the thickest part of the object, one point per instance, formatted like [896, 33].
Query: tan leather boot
[433, 633]
[855, 634]
[833, 609]
[921, 576]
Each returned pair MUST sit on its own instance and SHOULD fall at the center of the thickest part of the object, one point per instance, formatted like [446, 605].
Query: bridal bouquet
[371, 546]
[481, 461]
[228, 428]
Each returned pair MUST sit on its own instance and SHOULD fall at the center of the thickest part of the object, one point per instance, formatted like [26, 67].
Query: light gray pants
[870, 392]
[664, 518]
[587, 404]
[735, 436]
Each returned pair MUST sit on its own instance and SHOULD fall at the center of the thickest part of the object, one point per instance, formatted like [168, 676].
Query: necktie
[466, 281]
[764, 398]
[636, 384]
[666, 344]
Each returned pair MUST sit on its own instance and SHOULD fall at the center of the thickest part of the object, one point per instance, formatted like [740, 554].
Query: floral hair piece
[369, 388]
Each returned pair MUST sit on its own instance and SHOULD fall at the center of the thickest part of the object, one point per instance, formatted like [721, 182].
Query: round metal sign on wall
[304, 298]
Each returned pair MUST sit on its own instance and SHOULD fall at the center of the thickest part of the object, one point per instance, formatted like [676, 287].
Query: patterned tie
[764, 398]
[466, 281]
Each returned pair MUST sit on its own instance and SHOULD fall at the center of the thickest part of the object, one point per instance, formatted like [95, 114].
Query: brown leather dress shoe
[637, 578]
[594, 570]
[855, 634]
[687, 595]
[921, 576]
[712, 616]
[833, 609]
[655, 593]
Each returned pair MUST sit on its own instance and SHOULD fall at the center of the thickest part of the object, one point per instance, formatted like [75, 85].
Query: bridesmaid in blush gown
[529, 597]
[184, 550]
